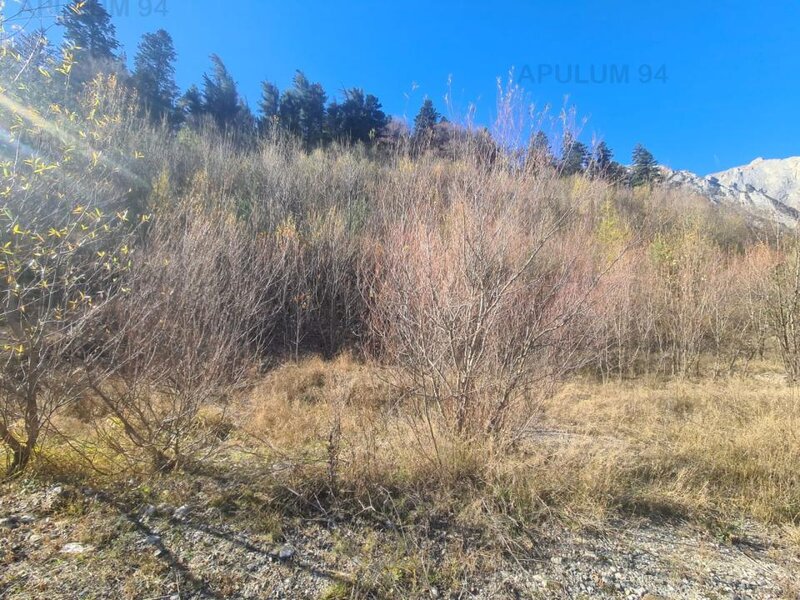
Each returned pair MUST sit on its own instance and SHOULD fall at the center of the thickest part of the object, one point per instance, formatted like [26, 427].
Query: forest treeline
[303, 110]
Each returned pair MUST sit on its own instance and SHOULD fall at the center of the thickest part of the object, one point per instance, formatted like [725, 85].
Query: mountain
[779, 178]
[767, 189]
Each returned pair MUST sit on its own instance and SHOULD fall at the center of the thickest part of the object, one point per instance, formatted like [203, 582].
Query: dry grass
[332, 435]
[710, 451]
[726, 446]
[340, 425]
[330, 441]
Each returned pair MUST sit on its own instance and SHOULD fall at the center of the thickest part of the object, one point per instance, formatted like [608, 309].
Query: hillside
[306, 350]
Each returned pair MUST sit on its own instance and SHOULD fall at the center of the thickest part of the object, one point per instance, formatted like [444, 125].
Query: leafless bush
[625, 318]
[476, 301]
[203, 296]
[65, 231]
[782, 300]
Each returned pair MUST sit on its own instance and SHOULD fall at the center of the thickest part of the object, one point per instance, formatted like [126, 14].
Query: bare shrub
[782, 300]
[623, 319]
[475, 304]
[738, 328]
[65, 234]
[679, 302]
[200, 301]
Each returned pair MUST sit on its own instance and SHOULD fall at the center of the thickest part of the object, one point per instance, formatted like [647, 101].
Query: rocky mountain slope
[767, 189]
[779, 178]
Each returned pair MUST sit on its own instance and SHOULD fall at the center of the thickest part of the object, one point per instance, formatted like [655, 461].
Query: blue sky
[732, 68]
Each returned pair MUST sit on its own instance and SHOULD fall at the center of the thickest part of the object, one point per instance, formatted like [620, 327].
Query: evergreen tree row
[302, 110]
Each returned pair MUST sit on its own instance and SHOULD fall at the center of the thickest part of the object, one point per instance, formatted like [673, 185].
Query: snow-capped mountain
[765, 188]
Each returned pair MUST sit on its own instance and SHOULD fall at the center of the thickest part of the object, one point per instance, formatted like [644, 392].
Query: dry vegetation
[503, 345]
[711, 450]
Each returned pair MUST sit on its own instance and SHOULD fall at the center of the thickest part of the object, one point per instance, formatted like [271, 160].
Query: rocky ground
[60, 541]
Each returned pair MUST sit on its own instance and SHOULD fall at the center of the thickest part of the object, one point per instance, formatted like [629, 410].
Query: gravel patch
[63, 543]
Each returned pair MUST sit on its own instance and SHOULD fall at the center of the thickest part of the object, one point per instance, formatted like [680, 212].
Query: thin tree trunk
[21, 452]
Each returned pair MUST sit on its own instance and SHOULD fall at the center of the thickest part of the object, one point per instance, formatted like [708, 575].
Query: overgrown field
[320, 457]
[502, 344]
[333, 435]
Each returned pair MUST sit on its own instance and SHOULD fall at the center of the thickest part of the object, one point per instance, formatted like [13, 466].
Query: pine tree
[88, 30]
[425, 123]
[33, 47]
[645, 168]
[268, 106]
[484, 146]
[358, 118]
[574, 155]
[36, 56]
[190, 105]
[603, 166]
[154, 73]
[220, 96]
[540, 143]
[539, 153]
[601, 159]
[302, 110]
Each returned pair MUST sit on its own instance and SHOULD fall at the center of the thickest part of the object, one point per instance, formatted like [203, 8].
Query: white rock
[778, 178]
[76, 548]
[769, 189]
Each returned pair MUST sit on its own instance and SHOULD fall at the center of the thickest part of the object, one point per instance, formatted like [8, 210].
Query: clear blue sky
[732, 67]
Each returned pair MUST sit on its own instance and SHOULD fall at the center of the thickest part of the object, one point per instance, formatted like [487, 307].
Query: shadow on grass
[194, 583]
